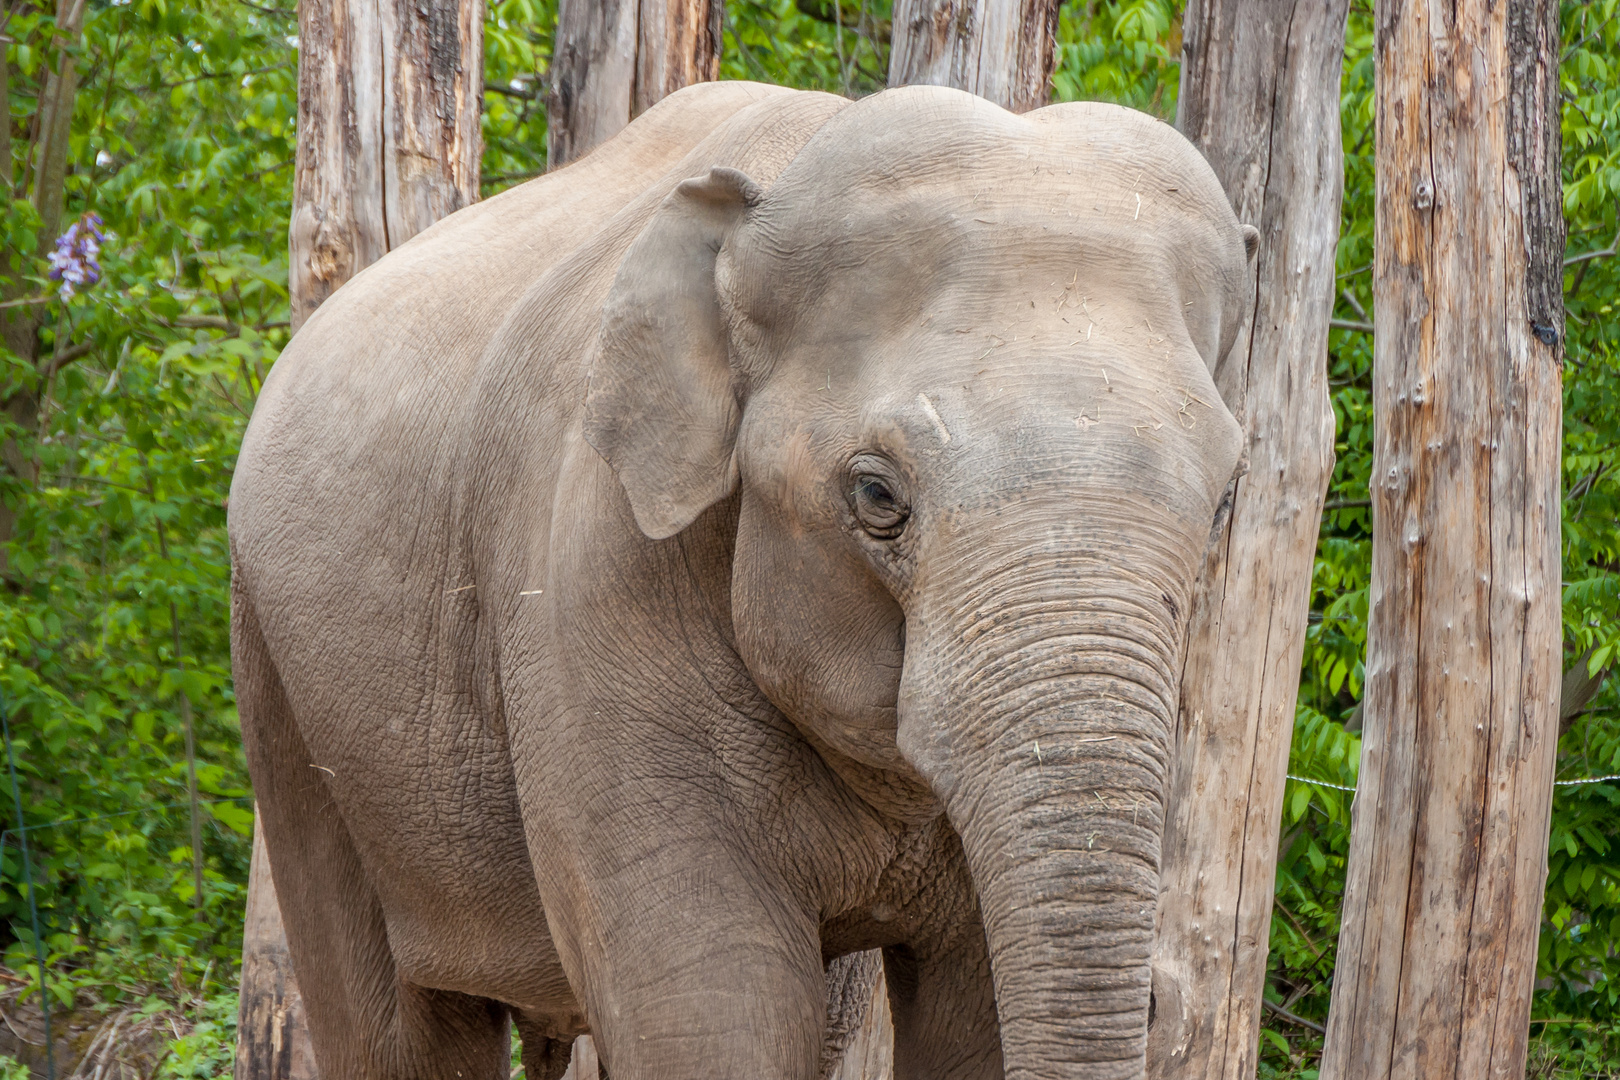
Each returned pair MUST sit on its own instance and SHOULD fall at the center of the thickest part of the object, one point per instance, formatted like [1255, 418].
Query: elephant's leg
[944, 1008]
[365, 1022]
[691, 955]
[678, 990]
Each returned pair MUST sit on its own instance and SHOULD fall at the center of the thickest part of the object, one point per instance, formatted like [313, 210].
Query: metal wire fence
[19, 837]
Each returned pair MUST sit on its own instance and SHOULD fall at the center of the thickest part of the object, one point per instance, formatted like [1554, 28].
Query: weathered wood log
[390, 97]
[582, 1062]
[1260, 97]
[1448, 852]
[1002, 50]
[272, 1039]
[613, 59]
[677, 44]
[389, 100]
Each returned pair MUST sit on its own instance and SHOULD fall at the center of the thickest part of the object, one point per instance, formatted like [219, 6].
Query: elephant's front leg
[941, 993]
[690, 967]
[692, 957]
[944, 1008]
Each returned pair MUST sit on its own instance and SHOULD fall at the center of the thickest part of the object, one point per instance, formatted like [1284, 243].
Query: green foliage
[118, 601]
[834, 45]
[208, 1051]
[1124, 51]
[517, 52]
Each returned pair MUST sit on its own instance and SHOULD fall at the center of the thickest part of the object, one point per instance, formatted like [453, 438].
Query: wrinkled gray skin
[769, 538]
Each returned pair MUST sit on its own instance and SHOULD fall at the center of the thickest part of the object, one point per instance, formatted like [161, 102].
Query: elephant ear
[660, 407]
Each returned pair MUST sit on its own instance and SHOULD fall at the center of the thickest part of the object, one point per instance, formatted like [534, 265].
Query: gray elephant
[768, 538]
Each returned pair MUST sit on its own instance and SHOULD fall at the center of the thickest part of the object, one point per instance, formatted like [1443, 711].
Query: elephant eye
[880, 512]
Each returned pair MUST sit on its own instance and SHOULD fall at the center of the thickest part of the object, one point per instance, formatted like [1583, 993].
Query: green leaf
[234, 816]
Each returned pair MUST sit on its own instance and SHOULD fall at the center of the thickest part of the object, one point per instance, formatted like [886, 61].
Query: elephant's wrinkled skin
[769, 538]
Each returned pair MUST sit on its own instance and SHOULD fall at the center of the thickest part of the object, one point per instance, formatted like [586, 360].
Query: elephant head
[956, 366]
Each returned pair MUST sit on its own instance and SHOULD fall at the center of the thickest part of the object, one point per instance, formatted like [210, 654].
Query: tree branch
[526, 95]
[217, 75]
[284, 13]
[203, 322]
[1603, 253]
[1293, 1019]
[62, 358]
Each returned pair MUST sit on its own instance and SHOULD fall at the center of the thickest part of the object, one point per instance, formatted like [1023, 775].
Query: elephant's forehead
[954, 147]
[853, 267]
[925, 180]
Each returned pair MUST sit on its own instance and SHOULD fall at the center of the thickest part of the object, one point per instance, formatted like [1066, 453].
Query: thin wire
[33, 907]
[1588, 780]
[121, 813]
[1556, 783]
[1319, 783]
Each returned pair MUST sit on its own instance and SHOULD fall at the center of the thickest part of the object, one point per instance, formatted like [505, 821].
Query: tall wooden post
[1002, 50]
[1260, 98]
[389, 102]
[390, 95]
[1448, 851]
[272, 1038]
[614, 59]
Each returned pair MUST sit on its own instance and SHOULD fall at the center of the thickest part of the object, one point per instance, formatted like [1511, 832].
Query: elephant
[766, 539]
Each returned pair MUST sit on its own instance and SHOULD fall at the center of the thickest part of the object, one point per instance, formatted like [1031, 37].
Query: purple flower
[74, 262]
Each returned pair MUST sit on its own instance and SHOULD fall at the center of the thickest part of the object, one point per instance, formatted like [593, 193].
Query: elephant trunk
[1039, 708]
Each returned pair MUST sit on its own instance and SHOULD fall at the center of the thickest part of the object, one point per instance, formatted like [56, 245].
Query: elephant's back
[352, 446]
[367, 386]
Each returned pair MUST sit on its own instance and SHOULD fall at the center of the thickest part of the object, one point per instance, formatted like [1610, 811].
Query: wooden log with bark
[42, 183]
[614, 59]
[389, 107]
[1448, 852]
[1260, 98]
[272, 1038]
[1002, 50]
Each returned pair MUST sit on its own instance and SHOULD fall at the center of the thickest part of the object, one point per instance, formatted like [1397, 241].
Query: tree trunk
[389, 103]
[43, 182]
[1002, 50]
[272, 1040]
[390, 97]
[1260, 98]
[1448, 855]
[614, 59]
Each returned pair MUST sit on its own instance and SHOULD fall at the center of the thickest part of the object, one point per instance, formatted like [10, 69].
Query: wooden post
[1448, 851]
[389, 102]
[1260, 98]
[613, 59]
[1002, 50]
[390, 95]
[272, 1038]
